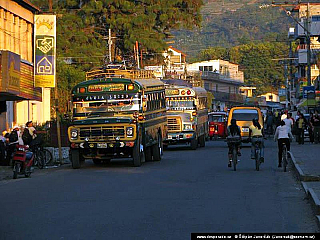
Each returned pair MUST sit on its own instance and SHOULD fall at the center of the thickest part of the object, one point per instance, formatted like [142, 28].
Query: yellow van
[244, 116]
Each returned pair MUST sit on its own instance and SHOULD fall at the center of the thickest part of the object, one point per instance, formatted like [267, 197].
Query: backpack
[26, 137]
[13, 137]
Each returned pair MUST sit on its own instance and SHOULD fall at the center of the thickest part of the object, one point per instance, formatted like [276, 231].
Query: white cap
[16, 127]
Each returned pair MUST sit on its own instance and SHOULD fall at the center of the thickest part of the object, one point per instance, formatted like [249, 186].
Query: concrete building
[19, 100]
[174, 63]
[300, 79]
[223, 79]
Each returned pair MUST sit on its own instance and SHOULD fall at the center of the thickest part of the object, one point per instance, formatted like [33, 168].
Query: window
[201, 68]
[316, 18]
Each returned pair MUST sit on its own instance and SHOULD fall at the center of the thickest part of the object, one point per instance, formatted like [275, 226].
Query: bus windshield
[105, 106]
[176, 103]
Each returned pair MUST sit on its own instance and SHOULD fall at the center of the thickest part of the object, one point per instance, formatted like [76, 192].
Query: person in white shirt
[288, 121]
[284, 115]
[283, 135]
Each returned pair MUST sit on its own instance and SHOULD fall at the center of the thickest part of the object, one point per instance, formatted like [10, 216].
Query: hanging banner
[45, 51]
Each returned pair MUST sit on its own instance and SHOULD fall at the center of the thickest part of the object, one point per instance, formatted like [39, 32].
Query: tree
[82, 27]
[257, 60]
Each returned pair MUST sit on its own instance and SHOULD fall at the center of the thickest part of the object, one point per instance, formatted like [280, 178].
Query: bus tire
[138, 157]
[148, 154]
[194, 144]
[202, 141]
[75, 159]
[156, 149]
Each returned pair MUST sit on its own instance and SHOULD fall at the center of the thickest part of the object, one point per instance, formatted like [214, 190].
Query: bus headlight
[74, 134]
[187, 127]
[129, 131]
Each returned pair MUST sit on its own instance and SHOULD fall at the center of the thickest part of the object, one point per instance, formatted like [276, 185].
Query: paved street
[188, 191]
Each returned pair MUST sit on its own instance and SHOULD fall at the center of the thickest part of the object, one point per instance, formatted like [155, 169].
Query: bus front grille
[174, 124]
[102, 133]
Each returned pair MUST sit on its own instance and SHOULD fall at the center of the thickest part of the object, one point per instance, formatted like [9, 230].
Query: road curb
[301, 175]
[314, 200]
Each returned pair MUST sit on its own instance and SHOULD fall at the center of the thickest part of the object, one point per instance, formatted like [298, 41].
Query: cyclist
[233, 131]
[255, 135]
[283, 135]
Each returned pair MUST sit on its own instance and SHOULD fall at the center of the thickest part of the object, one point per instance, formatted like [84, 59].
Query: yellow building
[19, 100]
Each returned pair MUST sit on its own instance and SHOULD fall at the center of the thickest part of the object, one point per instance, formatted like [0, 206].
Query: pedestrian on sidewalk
[301, 124]
[3, 148]
[310, 129]
[14, 140]
[283, 136]
[316, 126]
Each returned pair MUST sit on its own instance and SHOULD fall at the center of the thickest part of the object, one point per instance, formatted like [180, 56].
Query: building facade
[19, 99]
[223, 79]
[309, 15]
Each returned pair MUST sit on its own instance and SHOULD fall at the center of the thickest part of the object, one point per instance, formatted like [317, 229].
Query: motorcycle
[22, 161]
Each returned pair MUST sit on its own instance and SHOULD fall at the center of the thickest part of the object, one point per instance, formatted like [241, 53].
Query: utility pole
[50, 6]
[110, 45]
[307, 32]
[57, 106]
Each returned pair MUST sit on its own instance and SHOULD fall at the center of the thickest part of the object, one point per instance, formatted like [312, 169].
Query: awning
[308, 103]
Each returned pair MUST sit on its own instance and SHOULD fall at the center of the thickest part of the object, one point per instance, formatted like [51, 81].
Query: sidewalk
[6, 172]
[306, 161]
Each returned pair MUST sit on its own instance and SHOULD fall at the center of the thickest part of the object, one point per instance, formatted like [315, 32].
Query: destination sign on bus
[172, 91]
[106, 88]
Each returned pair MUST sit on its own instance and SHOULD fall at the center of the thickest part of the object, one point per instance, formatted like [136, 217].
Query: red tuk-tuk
[217, 125]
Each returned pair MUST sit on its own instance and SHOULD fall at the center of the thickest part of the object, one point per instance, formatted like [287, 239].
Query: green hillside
[229, 23]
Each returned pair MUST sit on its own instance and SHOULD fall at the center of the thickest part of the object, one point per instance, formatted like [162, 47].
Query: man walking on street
[315, 121]
[289, 122]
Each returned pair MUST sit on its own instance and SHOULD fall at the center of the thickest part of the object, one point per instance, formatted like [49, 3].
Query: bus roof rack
[119, 73]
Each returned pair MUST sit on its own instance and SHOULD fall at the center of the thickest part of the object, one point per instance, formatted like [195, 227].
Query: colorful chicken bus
[187, 116]
[117, 117]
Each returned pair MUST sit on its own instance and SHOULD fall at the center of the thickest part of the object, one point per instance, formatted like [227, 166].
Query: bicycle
[234, 141]
[43, 157]
[257, 152]
[284, 157]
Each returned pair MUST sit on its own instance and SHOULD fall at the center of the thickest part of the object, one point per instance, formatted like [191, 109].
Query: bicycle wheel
[257, 157]
[47, 156]
[40, 159]
[284, 158]
[234, 158]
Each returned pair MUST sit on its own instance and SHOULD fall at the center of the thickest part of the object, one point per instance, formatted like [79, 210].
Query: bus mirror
[144, 106]
[144, 103]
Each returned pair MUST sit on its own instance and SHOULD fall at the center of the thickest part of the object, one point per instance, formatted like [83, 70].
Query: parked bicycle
[42, 156]
[234, 143]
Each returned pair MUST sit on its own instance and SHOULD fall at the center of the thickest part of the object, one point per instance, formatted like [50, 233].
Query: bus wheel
[148, 154]
[157, 149]
[75, 158]
[138, 156]
[202, 141]
[194, 144]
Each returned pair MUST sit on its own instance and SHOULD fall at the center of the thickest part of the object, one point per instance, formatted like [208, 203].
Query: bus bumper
[176, 138]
